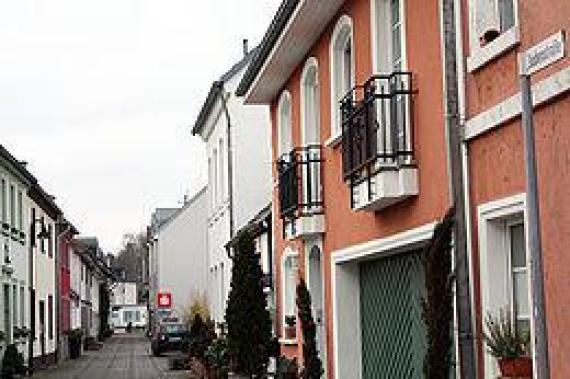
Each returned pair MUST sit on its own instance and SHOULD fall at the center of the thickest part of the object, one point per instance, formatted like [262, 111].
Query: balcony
[377, 139]
[300, 192]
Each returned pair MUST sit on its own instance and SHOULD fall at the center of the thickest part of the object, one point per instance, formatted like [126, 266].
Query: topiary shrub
[12, 363]
[437, 310]
[312, 365]
[248, 320]
[200, 338]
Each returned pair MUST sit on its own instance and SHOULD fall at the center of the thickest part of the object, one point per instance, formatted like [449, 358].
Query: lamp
[43, 234]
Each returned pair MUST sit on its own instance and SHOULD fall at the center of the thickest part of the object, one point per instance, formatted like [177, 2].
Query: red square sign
[164, 300]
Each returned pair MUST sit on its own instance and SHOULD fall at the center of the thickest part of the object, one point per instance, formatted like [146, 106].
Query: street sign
[544, 54]
[164, 300]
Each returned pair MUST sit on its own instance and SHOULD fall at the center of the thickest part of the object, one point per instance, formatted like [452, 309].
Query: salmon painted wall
[345, 227]
[496, 166]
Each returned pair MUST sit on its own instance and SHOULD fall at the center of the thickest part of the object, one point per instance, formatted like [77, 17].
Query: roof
[258, 225]
[292, 34]
[179, 211]
[216, 88]
[275, 29]
[18, 168]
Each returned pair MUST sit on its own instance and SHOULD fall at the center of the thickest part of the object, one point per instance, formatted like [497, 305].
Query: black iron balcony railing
[300, 191]
[376, 126]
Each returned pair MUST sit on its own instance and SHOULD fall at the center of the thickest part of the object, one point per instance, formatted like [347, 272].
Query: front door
[393, 332]
[42, 310]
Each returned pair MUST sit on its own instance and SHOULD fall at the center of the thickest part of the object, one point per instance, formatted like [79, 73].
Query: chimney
[245, 47]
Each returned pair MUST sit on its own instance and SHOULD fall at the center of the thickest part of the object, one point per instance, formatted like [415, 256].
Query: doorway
[42, 310]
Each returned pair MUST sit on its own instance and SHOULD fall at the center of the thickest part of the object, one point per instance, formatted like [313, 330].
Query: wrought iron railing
[377, 131]
[300, 188]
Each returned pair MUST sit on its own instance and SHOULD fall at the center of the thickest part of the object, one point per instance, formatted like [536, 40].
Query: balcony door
[389, 58]
[310, 154]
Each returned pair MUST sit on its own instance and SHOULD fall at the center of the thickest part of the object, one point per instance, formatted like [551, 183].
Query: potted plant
[12, 363]
[290, 327]
[508, 345]
[74, 341]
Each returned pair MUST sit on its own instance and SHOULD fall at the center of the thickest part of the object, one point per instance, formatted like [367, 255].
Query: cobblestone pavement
[122, 357]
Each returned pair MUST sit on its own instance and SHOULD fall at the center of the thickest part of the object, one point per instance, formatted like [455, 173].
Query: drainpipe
[466, 346]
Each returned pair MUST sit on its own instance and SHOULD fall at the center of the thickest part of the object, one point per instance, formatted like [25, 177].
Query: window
[211, 180]
[3, 200]
[42, 241]
[22, 306]
[50, 241]
[20, 212]
[289, 283]
[284, 128]
[222, 173]
[504, 269]
[12, 206]
[310, 103]
[520, 308]
[215, 177]
[342, 69]
[493, 18]
[14, 306]
[50, 317]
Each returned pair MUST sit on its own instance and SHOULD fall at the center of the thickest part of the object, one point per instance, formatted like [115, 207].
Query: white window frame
[342, 33]
[508, 224]
[382, 62]
[294, 255]
[284, 146]
[481, 55]
[3, 199]
[311, 66]
[494, 261]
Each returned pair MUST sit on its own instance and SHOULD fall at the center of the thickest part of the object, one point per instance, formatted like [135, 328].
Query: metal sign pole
[533, 228]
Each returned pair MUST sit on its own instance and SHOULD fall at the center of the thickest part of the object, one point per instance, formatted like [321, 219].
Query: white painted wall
[251, 160]
[182, 252]
[44, 284]
[19, 263]
[124, 293]
[75, 272]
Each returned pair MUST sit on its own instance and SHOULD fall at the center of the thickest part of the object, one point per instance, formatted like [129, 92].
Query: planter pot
[516, 367]
[290, 332]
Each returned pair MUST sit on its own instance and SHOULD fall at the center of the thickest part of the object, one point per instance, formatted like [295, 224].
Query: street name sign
[543, 54]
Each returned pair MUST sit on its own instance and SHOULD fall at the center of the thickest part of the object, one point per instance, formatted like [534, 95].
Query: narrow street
[122, 357]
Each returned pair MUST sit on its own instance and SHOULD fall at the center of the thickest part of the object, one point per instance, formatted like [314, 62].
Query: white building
[239, 172]
[179, 251]
[15, 181]
[45, 214]
[124, 293]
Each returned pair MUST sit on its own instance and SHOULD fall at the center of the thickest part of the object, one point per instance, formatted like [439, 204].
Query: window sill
[504, 43]
[334, 141]
[287, 341]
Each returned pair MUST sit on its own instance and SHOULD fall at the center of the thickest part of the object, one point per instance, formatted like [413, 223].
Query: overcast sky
[99, 96]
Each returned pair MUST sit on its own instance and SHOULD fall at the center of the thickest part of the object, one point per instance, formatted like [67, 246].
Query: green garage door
[393, 332]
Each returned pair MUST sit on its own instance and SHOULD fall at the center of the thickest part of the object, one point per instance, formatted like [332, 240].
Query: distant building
[179, 254]
[44, 326]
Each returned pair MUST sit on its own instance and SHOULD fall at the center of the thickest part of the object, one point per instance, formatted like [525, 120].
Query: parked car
[168, 336]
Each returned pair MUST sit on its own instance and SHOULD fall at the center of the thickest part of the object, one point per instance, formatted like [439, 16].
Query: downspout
[466, 345]
[32, 293]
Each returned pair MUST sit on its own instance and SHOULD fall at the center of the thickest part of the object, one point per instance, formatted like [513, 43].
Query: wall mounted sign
[164, 300]
[544, 54]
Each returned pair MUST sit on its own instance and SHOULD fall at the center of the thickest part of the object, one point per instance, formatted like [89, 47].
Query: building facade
[494, 35]
[239, 172]
[45, 214]
[15, 181]
[359, 151]
[65, 234]
[183, 239]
